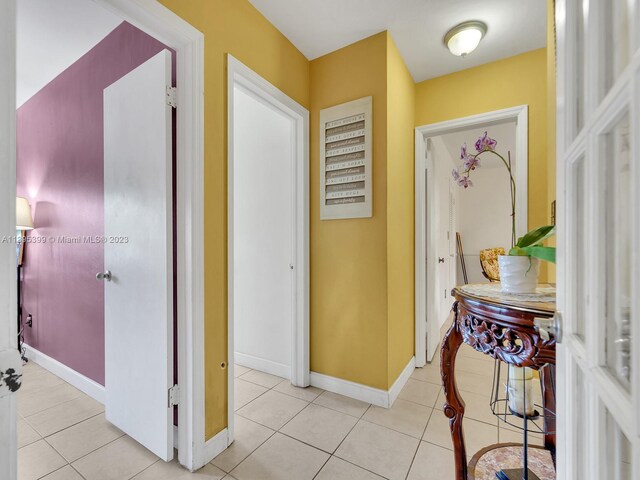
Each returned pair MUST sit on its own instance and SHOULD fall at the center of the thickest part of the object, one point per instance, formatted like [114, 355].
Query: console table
[504, 327]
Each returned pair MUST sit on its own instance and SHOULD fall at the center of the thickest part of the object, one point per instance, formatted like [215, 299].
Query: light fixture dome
[463, 39]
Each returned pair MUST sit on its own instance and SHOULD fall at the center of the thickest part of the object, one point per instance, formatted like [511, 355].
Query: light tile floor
[281, 432]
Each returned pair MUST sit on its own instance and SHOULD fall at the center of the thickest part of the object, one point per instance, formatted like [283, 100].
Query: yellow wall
[400, 212]
[349, 257]
[236, 27]
[506, 83]
[362, 319]
[361, 269]
[551, 121]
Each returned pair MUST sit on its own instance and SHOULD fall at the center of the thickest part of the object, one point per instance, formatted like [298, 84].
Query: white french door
[598, 195]
[138, 255]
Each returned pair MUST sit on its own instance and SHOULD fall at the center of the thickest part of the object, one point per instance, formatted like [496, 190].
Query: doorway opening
[268, 230]
[183, 269]
[442, 210]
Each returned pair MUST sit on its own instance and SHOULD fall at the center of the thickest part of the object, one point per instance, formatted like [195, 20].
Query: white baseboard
[216, 445]
[401, 381]
[262, 365]
[82, 383]
[375, 396]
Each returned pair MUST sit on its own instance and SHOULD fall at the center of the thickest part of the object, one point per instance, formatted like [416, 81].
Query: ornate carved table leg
[454, 406]
[547, 379]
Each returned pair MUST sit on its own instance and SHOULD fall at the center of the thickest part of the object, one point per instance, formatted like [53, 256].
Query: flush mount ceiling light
[463, 39]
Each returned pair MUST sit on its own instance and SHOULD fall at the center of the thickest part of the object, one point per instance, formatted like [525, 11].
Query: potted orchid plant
[519, 269]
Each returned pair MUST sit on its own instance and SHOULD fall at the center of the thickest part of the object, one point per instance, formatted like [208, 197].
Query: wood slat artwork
[345, 153]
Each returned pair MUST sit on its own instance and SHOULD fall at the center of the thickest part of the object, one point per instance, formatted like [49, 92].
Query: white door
[598, 237]
[264, 165]
[433, 267]
[138, 253]
[443, 216]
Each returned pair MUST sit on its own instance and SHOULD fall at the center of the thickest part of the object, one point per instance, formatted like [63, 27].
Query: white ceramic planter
[518, 274]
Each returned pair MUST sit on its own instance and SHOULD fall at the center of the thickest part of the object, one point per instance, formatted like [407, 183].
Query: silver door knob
[550, 327]
[106, 275]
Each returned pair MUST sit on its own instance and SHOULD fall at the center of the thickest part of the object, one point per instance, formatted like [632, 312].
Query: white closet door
[138, 254]
[263, 234]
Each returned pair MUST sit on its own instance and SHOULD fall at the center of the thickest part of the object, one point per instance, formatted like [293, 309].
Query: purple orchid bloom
[455, 174]
[463, 152]
[465, 182]
[471, 162]
[485, 143]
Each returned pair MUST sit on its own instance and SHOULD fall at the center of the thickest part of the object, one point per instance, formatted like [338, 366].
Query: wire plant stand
[536, 422]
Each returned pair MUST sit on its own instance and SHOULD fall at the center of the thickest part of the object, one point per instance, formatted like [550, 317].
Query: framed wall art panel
[345, 160]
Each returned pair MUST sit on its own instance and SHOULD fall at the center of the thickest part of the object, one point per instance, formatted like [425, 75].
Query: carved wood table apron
[501, 326]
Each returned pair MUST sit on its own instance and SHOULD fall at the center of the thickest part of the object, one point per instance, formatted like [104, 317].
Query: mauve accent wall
[60, 170]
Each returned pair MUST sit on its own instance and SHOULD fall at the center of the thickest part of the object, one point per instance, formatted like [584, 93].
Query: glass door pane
[619, 451]
[581, 425]
[580, 58]
[615, 37]
[618, 198]
[579, 258]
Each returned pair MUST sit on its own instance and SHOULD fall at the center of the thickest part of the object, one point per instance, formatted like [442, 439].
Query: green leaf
[538, 251]
[517, 251]
[536, 236]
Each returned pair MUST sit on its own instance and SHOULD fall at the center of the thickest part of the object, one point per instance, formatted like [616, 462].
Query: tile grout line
[420, 440]
[61, 403]
[292, 418]
[147, 468]
[309, 402]
[88, 453]
[250, 401]
[76, 470]
[250, 453]
[303, 442]
[342, 441]
[63, 429]
[57, 404]
[68, 463]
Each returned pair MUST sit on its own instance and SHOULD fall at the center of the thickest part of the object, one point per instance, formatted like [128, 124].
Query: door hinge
[174, 396]
[172, 95]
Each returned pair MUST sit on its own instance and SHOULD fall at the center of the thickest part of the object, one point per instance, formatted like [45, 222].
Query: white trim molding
[240, 74]
[401, 381]
[161, 23]
[427, 329]
[8, 327]
[266, 366]
[217, 444]
[69, 375]
[364, 393]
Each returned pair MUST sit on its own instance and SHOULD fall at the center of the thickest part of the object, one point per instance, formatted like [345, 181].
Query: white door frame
[165, 26]
[425, 239]
[8, 329]
[240, 74]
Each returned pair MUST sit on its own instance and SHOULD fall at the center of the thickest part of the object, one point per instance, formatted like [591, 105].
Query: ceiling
[318, 27]
[51, 36]
[503, 133]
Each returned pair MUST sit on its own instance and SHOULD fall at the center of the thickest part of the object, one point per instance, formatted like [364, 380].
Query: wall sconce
[24, 221]
[464, 38]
